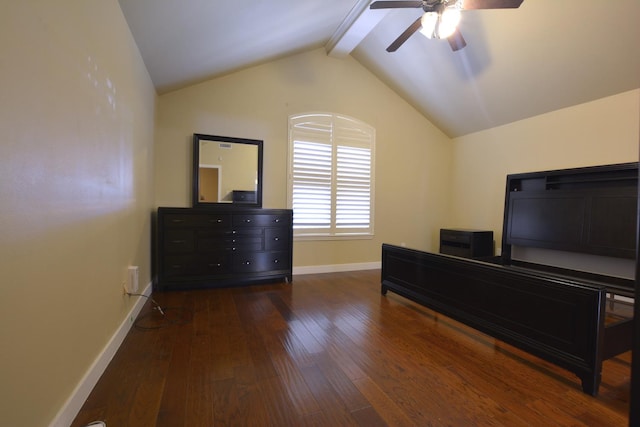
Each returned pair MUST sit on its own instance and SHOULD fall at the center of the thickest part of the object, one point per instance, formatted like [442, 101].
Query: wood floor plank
[145, 404]
[173, 405]
[368, 417]
[296, 388]
[387, 407]
[280, 410]
[252, 403]
[330, 350]
[343, 386]
[237, 405]
[199, 406]
[333, 410]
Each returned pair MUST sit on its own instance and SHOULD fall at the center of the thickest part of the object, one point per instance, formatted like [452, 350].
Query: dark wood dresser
[218, 247]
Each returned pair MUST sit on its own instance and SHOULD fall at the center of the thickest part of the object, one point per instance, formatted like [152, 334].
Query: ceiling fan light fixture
[448, 22]
[443, 23]
[429, 21]
[441, 18]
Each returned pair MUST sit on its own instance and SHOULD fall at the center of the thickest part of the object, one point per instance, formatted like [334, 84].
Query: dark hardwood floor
[330, 350]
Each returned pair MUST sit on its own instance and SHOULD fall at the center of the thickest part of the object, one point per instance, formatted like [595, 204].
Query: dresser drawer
[259, 220]
[179, 241]
[276, 238]
[209, 241]
[260, 262]
[189, 266]
[197, 220]
[246, 243]
[215, 264]
[250, 239]
[180, 266]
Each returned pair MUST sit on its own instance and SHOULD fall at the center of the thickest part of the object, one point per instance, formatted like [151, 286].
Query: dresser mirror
[226, 171]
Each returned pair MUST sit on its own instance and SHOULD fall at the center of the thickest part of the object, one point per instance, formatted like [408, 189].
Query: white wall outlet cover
[132, 279]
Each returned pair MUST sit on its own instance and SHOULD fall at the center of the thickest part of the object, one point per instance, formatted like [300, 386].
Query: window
[331, 176]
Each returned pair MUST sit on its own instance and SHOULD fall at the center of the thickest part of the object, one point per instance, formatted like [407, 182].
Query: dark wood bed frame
[557, 319]
[553, 313]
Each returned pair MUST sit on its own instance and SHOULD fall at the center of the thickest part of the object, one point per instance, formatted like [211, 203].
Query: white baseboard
[334, 268]
[72, 406]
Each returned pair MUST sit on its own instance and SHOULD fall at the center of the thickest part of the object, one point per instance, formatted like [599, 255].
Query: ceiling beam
[354, 28]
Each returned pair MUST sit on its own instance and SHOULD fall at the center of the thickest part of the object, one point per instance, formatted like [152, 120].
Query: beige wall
[76, 157]
[77, 162]
[413, 158]
[604, 131]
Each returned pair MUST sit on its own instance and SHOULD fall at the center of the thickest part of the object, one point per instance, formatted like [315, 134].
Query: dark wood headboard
[589, 210]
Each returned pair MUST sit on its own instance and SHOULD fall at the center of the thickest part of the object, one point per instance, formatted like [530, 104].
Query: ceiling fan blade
[394, 4]
[491, 4]
[405, 35]
[456, 41]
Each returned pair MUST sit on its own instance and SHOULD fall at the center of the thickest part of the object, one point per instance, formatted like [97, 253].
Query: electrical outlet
[132, 279]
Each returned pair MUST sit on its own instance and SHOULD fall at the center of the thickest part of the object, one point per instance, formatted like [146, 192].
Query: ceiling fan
[440, 18]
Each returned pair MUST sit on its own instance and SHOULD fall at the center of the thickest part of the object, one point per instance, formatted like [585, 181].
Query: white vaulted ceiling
[518, 63]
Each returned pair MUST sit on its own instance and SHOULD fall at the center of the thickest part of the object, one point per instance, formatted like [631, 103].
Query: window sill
[307, 237]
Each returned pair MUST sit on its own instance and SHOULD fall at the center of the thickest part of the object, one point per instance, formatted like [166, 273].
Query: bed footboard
[559, 320]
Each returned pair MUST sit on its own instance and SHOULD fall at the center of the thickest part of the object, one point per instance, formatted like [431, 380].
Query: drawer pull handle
[215, 265]
[233, 249]
[275, 261]
[277, 239]
[179, 242]
[277, 220]
[247, 220]
[218, 221]
[176, 266]
[177, 220]
[247, 263]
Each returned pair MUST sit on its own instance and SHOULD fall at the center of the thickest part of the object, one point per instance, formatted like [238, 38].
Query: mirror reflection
[227, 171]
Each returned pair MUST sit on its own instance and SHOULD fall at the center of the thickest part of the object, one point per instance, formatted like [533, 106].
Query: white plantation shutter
[312, 185]
[331, 175]
[353, 188]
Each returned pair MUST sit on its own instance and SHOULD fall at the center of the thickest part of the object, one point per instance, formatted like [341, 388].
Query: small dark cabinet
[204, 248]
[466, 243]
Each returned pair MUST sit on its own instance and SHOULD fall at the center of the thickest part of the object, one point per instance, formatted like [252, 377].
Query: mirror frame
[197, 137]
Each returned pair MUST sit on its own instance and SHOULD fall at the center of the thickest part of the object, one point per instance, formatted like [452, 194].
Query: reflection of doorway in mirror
[209, 183]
